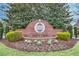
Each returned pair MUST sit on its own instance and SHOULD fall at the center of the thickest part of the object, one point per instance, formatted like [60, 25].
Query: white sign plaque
[39, 27]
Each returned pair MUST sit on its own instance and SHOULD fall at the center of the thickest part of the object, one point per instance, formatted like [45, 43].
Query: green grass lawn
[5, 51]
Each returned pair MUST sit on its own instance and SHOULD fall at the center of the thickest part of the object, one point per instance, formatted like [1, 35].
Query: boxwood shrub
[63, 36]
[14, 36]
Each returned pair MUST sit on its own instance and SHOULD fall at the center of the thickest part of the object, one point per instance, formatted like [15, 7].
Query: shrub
[78, 31]
[75, 32]
[18, 35]
[6, 29]
[49, 42]
[63, 35]
[1, 30]
[14, 36]
[70, 30]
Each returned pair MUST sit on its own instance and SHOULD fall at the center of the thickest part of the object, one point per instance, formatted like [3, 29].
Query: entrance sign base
[40, 28]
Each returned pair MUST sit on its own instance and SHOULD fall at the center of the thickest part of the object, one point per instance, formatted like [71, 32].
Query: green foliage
[78, 31]
[14, 36]
[75, 32]
[6, 29]
[70, 30]
[1, 30]
[56, 23]
[18, 25]
[10, 36]
[1, 33]
[18, 35]
[49, 42]
[21, 14]
[63, 35]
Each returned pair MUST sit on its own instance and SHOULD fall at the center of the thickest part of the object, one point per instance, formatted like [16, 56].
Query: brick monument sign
[39, 28]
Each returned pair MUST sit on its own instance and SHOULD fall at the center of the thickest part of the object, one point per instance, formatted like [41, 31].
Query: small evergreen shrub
[70, 30]
[78, 31]
[18, 35]
[1, 33]
[6, 29]
[1, 30]
[75, 32]
[49, 42]
[63, 35]
[14, 36]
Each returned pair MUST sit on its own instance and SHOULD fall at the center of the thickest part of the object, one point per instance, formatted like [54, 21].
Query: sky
[73, 8]
[3, 7]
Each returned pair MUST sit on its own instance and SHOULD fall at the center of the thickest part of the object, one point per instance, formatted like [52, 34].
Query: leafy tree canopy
[21, 14]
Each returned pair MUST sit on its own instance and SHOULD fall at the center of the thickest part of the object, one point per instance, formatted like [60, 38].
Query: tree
[3, 8]
[22, 14]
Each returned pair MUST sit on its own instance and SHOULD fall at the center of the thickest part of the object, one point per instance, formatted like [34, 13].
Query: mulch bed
[44, 47]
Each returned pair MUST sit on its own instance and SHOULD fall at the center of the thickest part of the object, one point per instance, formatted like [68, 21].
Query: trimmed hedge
[14, 36]
[63, 36]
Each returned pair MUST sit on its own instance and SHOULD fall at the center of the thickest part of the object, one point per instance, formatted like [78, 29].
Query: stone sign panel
[39, 27]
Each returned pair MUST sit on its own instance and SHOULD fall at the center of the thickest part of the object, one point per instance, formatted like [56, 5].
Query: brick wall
[49, 30]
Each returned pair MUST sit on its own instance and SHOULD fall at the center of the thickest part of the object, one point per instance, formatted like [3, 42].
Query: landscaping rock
[28, 41]
[35, 41]
[39, 43]
[56, 41]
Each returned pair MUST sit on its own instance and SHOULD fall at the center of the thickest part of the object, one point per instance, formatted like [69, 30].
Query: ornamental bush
[14, 36]
[18, 35]
[63, 36]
